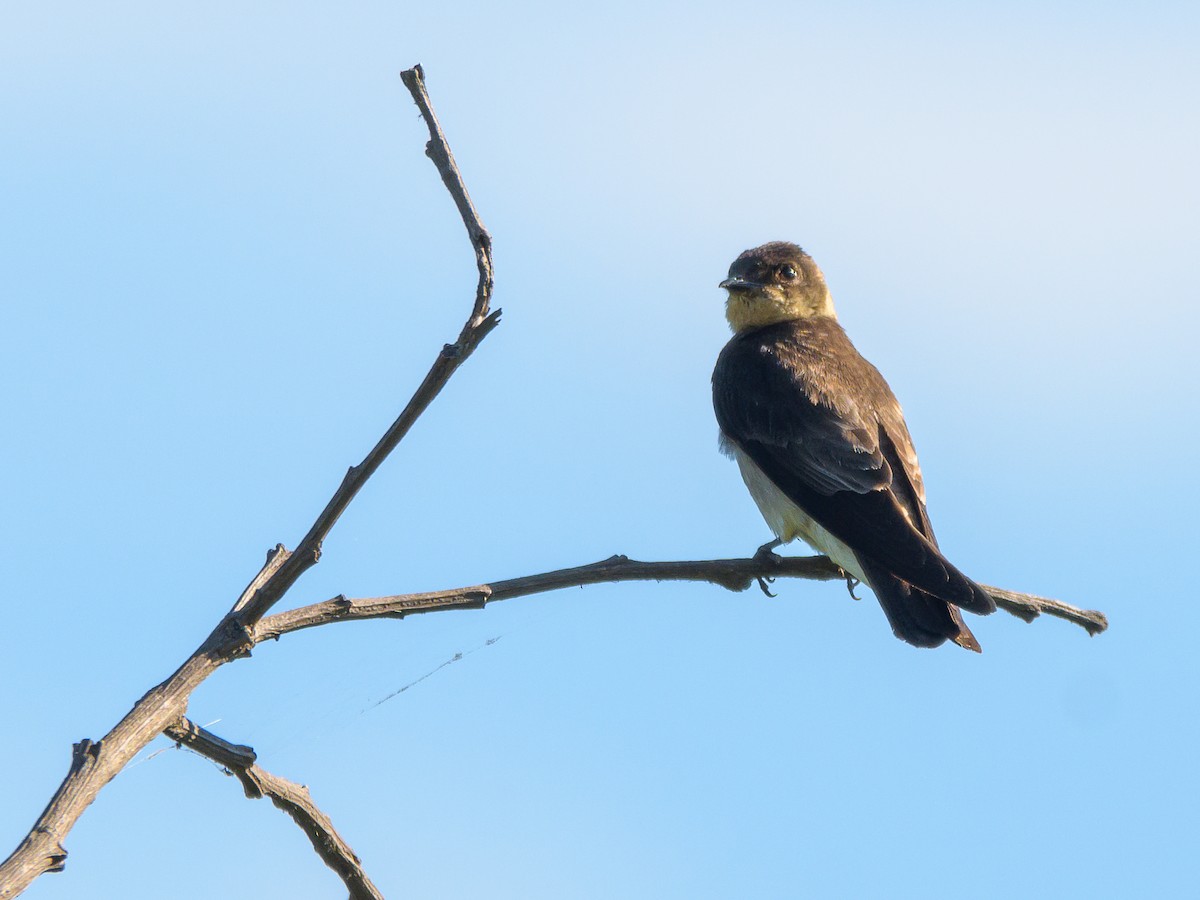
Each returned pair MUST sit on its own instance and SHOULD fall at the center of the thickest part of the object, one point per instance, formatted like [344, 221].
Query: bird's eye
[788, 273]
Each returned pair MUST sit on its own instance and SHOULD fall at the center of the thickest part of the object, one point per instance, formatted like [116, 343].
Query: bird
[823, 448]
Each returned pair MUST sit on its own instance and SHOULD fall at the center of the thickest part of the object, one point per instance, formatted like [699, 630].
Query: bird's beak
[738, 284]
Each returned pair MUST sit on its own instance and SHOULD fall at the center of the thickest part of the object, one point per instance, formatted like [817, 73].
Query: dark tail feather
[964, 638]
[917, 617]
[937, 576]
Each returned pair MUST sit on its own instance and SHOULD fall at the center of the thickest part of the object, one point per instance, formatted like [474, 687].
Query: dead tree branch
[95, 764]
[294, 799]
[734, 574]
[478, 326]
[1030, 606]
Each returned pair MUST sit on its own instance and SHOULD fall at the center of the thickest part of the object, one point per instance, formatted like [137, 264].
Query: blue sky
[227, 263]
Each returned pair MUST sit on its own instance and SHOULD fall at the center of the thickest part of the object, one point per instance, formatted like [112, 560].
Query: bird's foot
[851, 584]
[766, 554]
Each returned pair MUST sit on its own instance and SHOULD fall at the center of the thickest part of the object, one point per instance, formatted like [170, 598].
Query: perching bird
[821, 443]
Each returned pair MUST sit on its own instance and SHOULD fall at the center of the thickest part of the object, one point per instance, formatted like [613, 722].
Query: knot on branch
[85, 753]
[56, 854]
[734, 581]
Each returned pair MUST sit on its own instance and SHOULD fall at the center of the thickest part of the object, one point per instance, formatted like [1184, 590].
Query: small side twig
[293, 799]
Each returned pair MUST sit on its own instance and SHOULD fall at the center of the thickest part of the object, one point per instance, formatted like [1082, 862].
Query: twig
[1030, 606]
[734, 574]
[94, 764]
[478, 326]
[439, 151]
[293, 799]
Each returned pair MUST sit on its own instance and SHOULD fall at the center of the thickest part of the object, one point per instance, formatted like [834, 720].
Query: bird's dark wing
[801, 402]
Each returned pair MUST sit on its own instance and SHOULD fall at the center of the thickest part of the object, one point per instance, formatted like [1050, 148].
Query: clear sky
[226, 263]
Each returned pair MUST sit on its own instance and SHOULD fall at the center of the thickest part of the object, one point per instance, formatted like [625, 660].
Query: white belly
[788, 520]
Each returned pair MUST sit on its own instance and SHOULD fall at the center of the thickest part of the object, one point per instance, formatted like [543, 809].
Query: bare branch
[1030, 606]
[293, 799]
[94, 764]
[439, 151]
[734, 574]
[478, 326]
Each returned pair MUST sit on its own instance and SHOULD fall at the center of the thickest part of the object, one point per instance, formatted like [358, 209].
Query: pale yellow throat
[747, 310]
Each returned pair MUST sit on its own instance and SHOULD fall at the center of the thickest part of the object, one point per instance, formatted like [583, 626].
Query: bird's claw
[766, 555]
[851, 584]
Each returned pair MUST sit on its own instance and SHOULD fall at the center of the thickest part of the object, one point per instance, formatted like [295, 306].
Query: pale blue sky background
[226, 264]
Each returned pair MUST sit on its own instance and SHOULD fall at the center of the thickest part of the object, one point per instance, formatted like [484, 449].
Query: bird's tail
[916, 616]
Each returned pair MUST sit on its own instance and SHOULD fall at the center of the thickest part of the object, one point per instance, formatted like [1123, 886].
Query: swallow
[822, 445]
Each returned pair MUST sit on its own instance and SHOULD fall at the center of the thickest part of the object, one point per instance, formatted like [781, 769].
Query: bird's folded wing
[834, 458]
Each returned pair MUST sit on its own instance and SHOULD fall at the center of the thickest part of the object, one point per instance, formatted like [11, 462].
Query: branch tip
[293, 799]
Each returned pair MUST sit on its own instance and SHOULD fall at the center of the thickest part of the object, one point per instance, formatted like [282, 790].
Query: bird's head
[776, 282]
